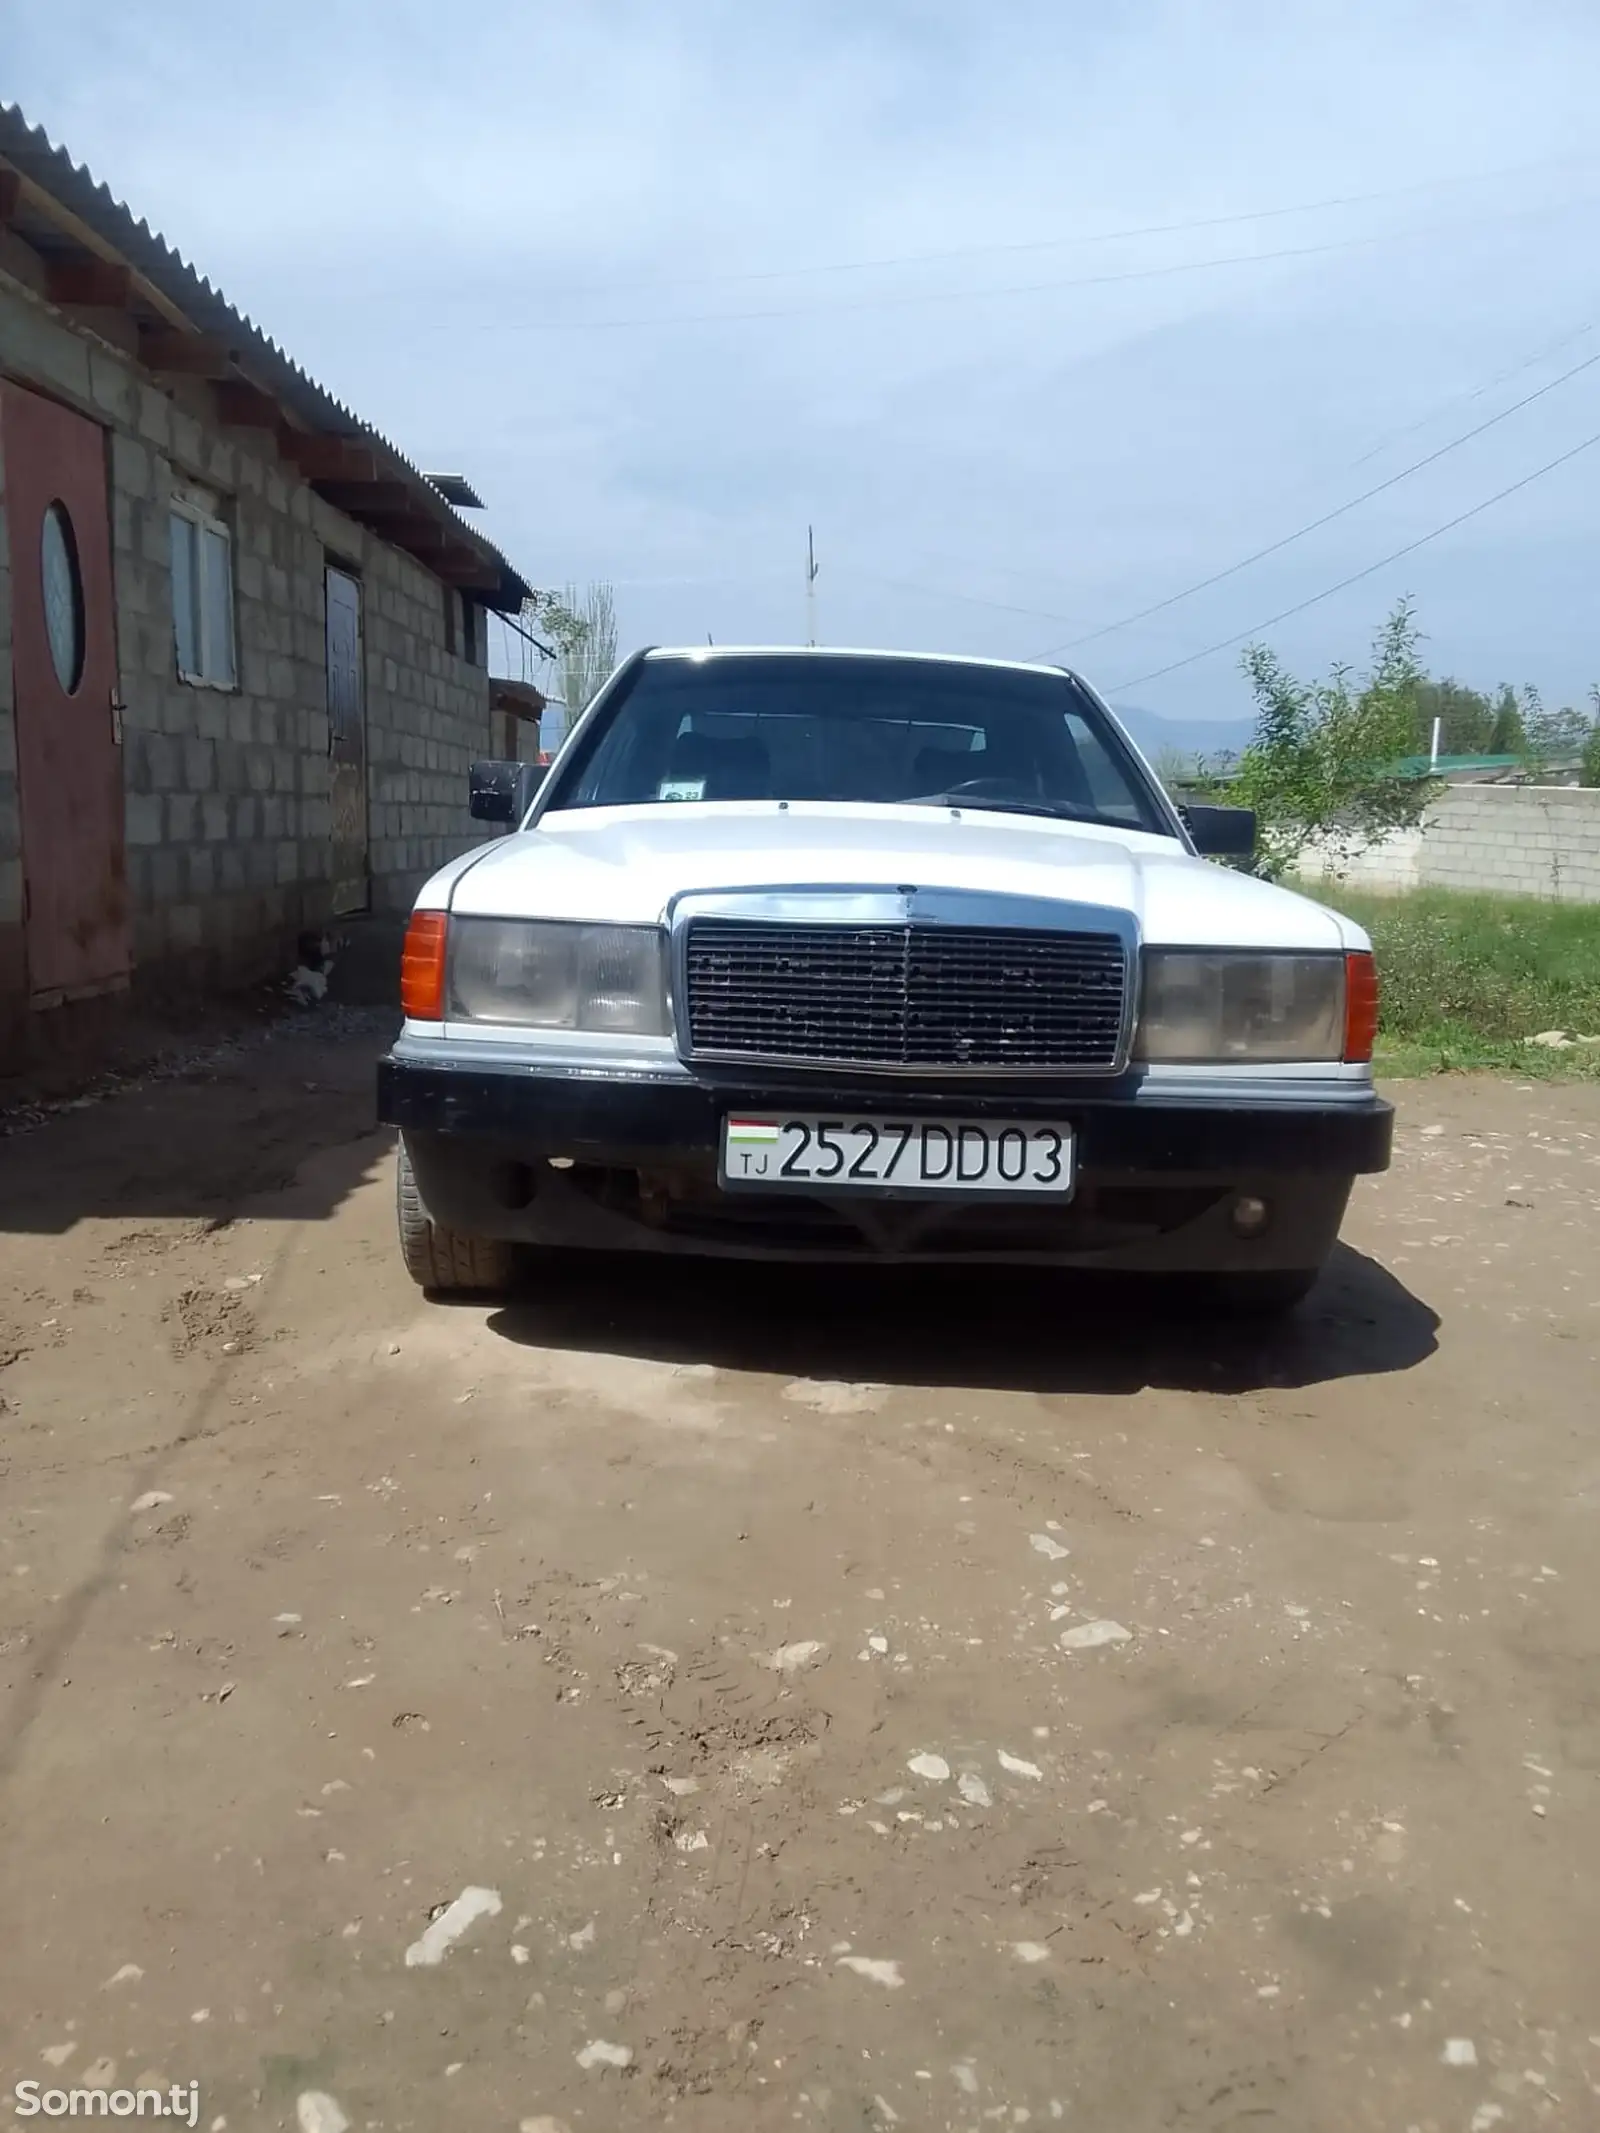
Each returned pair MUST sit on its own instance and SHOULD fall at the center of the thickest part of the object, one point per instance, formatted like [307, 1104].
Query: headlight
[1201, 1008]
[547, 976]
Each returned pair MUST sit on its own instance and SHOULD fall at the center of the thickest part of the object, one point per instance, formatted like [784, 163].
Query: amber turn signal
[422, 967]
[1360, 1007]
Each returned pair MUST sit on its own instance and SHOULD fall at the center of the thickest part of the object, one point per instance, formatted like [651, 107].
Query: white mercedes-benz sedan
[878, 957]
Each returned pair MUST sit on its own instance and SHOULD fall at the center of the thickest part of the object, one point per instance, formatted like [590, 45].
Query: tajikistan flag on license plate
[752, 1132]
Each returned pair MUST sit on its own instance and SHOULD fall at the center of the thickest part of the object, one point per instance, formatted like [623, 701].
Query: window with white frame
[202, 596]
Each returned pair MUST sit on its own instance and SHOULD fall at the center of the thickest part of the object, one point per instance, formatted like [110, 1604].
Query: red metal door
[64, 666]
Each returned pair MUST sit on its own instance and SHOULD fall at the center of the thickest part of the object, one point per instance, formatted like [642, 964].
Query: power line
[1475, 392]
[1046, 614]
[1243, 636]
[1057, 244]
[1315, 525]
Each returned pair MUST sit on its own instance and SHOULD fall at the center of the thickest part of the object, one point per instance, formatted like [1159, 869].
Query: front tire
[443, 1260]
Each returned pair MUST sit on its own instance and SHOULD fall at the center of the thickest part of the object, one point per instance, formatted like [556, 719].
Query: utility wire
[1058, 244]
[1315, 525]
[1390, 437]
[1224, 644]
[1474, 392]
[1045, 614]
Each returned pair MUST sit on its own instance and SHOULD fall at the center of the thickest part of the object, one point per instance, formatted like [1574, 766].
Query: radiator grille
[960, 998]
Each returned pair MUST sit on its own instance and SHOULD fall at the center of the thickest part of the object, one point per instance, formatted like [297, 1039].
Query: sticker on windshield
[681, 789]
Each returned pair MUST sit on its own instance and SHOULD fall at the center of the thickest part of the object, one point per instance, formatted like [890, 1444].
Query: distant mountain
[1188, 736]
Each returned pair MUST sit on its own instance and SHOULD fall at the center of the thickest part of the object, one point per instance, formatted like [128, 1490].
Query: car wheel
[1273, 1293]
[437, 1257]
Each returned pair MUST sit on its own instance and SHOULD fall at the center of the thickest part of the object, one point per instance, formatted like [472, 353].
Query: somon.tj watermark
[180, 2102]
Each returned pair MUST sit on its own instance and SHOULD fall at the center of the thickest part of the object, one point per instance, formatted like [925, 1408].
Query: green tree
[549, 615]
[1507, 736]
[581, 638]
[1589, 767]
[1319, 766]
[1466, 718]
[591, 653]
[1553, 739]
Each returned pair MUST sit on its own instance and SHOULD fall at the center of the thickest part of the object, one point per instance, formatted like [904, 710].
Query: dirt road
[858, 1703]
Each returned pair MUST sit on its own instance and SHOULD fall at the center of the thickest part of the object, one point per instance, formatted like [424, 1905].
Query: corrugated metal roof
[520, 698]
[457, 490]
[31, 152]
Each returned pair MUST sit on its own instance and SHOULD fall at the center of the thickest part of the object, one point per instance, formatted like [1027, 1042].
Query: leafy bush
[1320, 767]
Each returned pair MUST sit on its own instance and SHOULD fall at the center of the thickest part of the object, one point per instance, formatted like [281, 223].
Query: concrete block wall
[1392, 865]
[1529, 840]
[228, 791]
[1514, 840]
[427, 718]
[228, 814]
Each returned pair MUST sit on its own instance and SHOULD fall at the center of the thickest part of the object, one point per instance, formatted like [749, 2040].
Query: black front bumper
[642, 1123]
[616, 1162]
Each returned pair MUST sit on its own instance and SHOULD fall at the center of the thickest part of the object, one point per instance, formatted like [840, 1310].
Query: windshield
[796, 726]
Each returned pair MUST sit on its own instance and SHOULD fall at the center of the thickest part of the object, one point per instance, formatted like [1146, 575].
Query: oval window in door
[63, 596]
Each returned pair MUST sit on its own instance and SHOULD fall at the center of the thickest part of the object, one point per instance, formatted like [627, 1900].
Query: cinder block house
[243, 661]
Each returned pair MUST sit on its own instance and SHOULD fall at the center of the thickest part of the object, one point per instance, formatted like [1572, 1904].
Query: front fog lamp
[1248, 1216]
[1206, 1009]
[547, 976]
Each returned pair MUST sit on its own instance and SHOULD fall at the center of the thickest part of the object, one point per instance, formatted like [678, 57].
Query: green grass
[1467, 979]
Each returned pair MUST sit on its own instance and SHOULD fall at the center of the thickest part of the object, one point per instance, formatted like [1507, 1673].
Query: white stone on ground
[452, 1922]
[317, 2112]
[598, 2053]
[879, 1971]
[1089, 1636]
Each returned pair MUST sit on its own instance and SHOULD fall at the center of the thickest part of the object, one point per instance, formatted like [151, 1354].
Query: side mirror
[1221, 832]
[502, 792]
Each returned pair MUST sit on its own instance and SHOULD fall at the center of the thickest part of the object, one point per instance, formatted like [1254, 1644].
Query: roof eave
[56, 204]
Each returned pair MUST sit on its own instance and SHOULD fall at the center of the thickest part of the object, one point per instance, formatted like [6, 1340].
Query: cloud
[524, 246]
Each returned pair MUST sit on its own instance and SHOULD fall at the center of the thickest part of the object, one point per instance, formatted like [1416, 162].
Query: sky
[1038, 311]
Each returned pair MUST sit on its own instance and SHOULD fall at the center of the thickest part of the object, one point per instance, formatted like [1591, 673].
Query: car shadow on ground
[1002, 1329]
[200, 1141]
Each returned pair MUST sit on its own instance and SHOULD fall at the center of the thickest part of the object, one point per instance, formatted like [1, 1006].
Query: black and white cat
[309, 982]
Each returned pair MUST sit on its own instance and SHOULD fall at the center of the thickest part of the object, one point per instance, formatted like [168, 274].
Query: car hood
[625, 865]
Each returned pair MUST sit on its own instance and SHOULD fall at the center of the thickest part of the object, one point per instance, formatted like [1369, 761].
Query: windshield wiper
[1053, 810]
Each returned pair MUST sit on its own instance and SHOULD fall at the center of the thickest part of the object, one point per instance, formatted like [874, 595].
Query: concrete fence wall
[1517, 840]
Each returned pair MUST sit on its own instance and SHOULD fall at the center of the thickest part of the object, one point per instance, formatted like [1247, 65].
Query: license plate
[777, 1150]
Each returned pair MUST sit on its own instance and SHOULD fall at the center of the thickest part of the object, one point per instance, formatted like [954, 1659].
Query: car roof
[703, 653]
